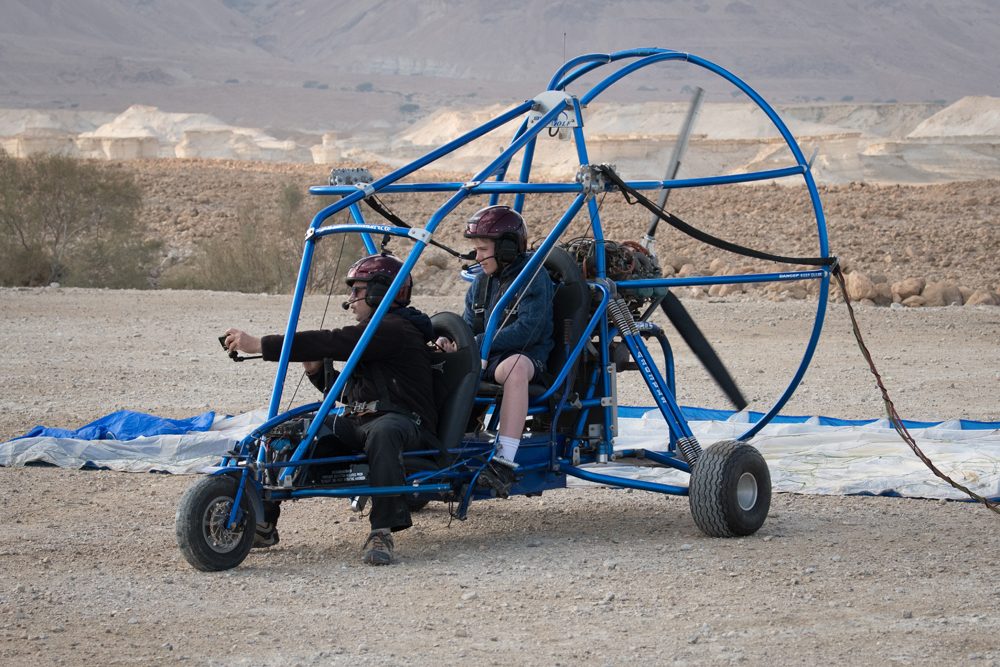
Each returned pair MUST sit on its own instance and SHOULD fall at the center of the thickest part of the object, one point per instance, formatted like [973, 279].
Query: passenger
[523, 341]
[389, 396]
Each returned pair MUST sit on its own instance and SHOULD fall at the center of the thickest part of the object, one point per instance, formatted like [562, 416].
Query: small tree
[72, 222]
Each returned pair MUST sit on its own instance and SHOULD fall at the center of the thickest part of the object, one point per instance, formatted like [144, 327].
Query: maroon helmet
[378, 271]
[502, 224]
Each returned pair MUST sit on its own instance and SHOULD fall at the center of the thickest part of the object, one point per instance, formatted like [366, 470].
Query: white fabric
[837, 460]
[803, 458]
[165, 453]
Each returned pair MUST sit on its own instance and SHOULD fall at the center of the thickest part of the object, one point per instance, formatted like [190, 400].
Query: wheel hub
[220, 538]
[746, 492]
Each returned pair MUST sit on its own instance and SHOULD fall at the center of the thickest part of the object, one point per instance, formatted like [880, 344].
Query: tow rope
[893, 416]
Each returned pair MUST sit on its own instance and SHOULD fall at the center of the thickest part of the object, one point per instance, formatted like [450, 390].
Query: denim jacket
[529, 330]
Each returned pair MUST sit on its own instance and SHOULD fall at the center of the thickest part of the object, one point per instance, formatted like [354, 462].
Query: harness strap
[479, 306]
[384, 403]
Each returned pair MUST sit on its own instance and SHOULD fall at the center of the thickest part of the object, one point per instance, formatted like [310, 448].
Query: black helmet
[378, 271]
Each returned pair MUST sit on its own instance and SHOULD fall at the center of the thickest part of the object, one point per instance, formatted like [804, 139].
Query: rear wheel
[202, 535]
[730, 491]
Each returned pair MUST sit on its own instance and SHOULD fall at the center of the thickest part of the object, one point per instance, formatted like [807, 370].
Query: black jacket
[397, 354]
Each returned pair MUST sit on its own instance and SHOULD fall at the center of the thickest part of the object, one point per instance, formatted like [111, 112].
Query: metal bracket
[368, 189]
[592, 179]
[549, 100]
[420, 234]
[311, 232]
[471, 184]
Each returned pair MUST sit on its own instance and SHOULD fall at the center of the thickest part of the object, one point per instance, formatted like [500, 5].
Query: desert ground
[92, 575]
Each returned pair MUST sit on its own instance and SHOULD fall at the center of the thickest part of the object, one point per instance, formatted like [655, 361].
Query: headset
[378, 287]
[506, 249]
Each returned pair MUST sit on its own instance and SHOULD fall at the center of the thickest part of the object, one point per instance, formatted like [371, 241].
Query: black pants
[383, 438]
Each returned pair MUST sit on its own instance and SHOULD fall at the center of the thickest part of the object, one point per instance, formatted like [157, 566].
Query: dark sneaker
[265, 536]
[378, 548]
[497, 477]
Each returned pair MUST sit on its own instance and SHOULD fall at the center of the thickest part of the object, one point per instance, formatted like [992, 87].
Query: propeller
[695, 339]
[671, 305]
[673, 167]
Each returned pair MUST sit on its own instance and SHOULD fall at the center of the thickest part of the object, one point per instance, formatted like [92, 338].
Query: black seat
[455, 378]
[570, 307]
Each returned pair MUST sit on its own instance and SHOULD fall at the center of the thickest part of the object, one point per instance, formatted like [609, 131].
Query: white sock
[508, 446]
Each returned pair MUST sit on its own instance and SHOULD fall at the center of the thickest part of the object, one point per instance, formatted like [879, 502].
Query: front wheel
[730, 491]
[202, 534]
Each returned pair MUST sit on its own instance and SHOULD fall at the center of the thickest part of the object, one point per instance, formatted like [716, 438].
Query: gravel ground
[92, 575]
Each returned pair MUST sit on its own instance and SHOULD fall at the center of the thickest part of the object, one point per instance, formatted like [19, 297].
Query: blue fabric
[127, 425]
[708, 414]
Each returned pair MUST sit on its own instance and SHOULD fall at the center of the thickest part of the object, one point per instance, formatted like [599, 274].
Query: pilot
[389, 396]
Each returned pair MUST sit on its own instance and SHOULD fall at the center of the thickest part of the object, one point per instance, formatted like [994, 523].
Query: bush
[67, 221]
[265, 251]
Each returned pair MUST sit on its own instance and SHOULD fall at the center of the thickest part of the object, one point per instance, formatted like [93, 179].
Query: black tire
[201, 525]
[730, 491]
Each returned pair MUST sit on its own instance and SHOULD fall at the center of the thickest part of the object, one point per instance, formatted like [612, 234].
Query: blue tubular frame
[524, 142]
[585, 64]
[316, 231]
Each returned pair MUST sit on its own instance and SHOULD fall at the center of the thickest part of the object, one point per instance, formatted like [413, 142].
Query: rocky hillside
[930, 245]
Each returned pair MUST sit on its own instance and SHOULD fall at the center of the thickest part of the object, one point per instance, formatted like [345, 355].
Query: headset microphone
[469, 267]
[346, 305]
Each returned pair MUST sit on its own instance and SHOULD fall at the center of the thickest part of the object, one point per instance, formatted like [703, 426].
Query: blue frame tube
[510, 187]
[526, 160]
[578, 348]
[788, 276]
[502, 172]
[657, 386]
[606, 447]
[624, 482]
[359, 219]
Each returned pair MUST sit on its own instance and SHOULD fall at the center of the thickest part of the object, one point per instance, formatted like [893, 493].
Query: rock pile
[915, 292]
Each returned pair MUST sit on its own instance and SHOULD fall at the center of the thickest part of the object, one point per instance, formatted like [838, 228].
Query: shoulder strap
[479, 305]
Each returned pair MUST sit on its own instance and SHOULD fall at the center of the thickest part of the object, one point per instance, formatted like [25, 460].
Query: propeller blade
[673, 166]
[695, 339]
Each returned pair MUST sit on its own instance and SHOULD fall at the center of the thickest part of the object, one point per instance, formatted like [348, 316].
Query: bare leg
[514, 373]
